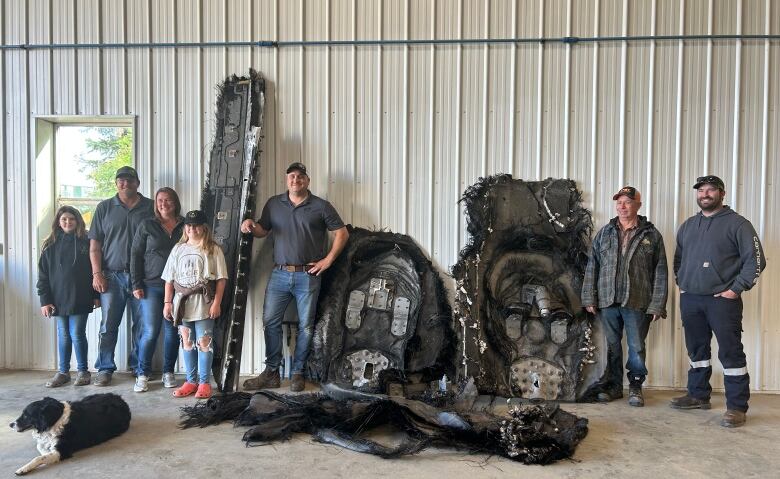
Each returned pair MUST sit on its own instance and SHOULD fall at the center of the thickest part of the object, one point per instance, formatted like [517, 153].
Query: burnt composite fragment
[382, 313]
[531, 435]
[522, 328]
[228, 198]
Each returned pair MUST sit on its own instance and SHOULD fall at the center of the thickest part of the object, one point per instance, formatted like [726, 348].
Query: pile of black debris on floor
[533, 434]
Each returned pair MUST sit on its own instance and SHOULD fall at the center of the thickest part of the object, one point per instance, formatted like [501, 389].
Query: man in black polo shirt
[300, 223]
[110, 239]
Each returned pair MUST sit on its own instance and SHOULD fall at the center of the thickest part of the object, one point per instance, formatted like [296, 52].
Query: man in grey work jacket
[718, 257]
[110, 239]
[625, 285]
[300, 223]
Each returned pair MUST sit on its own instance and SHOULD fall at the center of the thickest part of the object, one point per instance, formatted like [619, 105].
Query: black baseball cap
[709, 180]
[629, 191]
[297, 166]
[195, 217]
[126, 172]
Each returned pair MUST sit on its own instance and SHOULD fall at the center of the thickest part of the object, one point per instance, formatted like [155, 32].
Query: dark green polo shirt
[114, 226]
[300, 233]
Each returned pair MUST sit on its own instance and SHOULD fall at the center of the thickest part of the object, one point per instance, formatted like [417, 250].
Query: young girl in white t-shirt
[195, 276]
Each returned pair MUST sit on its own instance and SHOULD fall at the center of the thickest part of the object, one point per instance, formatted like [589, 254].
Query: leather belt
[291, 268]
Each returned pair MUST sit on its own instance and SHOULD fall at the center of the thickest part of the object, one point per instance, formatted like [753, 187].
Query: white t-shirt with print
[189, 265]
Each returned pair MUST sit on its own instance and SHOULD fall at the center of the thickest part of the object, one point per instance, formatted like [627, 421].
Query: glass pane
[87, 158]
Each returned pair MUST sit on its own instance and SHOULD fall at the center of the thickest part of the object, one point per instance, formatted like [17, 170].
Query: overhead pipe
[359, 43]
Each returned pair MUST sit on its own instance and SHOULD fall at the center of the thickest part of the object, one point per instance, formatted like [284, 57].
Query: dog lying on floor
[64, 427]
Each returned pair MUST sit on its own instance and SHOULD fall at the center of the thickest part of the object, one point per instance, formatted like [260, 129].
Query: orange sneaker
[186, 389]
[204, 391]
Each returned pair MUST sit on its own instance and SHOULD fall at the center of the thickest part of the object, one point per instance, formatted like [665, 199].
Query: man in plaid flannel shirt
[625, 286]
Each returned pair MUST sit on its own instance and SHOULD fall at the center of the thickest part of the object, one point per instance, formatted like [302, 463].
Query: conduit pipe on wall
[358, 43]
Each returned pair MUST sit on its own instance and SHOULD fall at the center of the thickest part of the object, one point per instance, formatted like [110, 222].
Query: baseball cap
[195, 217]
[711, 180]
[127, 172]
[297, 166]
[629, 191]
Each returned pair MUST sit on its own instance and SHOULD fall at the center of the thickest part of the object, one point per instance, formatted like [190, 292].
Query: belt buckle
[289, 268]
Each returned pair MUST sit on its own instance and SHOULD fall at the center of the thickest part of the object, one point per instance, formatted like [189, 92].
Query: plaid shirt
[645, 279]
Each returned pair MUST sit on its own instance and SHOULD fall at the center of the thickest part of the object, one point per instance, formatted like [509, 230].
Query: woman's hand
[215, 310]
[168, 311]
[48, 310]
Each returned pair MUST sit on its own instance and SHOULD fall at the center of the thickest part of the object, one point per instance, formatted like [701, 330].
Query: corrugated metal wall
[393, 134]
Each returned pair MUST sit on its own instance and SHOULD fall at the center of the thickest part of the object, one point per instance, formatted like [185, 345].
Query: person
[110, 238]
[153, 241]
[300, 222]
[195, 276]
[718, 257]
[65, 291]
[625, 285]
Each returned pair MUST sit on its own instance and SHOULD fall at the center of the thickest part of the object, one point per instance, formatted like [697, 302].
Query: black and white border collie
[63, 427]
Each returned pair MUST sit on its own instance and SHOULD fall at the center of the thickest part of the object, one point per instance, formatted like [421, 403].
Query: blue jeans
[198, 355]
[112, 305]
[637, 325]
[150, 321]
[282, 287]
[72, 332]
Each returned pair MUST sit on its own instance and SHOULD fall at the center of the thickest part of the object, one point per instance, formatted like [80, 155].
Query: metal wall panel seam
[708, 91]
[432, 143]
[51, 59]
[513, 93]
[29, 197]
[405, 159]
[485, 87]
[75, 62]
[3, 199]
[302, 91]
[539, 91]
[100, 62]
[567, 93]
[594, 108]
[175, 95]
[650, 115]
[677, 167]
[146, 160]
[354, 111]
[459, 211]
[125, 107]
[379, 106]
[737, 98]
[622, 113]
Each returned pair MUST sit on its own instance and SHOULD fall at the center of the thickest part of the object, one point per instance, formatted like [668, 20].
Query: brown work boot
[635, 397]
[689, 402]
[733, 418]
[297, 383]
[268, 379]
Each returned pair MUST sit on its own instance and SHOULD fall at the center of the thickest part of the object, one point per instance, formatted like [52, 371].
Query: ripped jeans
[196, 342]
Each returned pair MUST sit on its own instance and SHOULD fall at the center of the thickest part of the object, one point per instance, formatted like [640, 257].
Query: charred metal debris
[228, 198]
[538, 434]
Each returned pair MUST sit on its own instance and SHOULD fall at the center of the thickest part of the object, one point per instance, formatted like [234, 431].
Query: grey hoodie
[716, 253]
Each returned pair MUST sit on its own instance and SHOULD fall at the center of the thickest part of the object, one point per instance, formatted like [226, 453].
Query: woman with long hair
[153, 241]
[195, 277]
[65, 291]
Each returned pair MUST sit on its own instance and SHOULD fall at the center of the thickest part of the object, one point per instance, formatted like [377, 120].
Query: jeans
[150, 321]
[197, 357]
[282, 287]
[72, 332]
[112, 305]
[637, 325]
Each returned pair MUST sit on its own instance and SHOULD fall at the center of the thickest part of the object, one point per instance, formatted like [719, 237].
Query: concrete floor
[653, 441]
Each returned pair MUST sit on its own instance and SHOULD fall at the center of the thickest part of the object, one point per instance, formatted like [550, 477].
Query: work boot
[609, 395]
[103, 378]
[635, 397]
[58, 380]
[689, 402]
[83, 378]
[733, 418]
[268, 379]
[297, 383]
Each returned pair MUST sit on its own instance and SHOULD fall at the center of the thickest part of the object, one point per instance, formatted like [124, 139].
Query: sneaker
[141, 384]
[268, 379]
[83, 378]
[58, 380]
[169, 380]
[297, 383]
[635, 397]
[689, 402]
[204, 391]
[186, 389]
[103, 378]
[733, 418]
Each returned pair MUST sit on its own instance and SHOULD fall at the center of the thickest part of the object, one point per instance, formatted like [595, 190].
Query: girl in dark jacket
[65, 291]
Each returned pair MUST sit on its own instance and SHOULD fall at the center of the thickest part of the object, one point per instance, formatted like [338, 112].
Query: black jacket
[718, 252]
[150, 250]
[65, 276]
